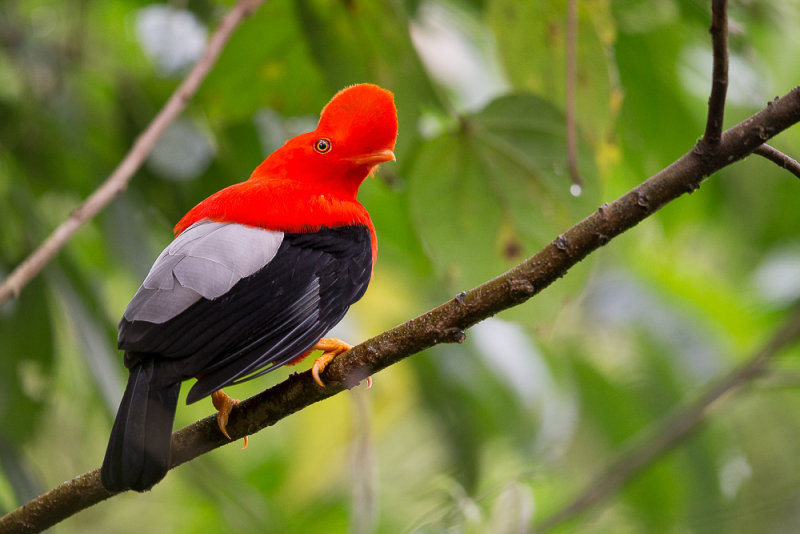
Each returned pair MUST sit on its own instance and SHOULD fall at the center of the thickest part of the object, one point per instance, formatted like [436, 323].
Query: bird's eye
[322, 145]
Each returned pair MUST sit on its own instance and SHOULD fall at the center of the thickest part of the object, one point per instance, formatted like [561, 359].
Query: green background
[488, 436]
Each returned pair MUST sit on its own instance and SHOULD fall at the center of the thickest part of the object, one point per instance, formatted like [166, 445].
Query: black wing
[265, 320]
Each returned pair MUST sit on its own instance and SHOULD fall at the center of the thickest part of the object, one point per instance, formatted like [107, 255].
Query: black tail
[137, 456]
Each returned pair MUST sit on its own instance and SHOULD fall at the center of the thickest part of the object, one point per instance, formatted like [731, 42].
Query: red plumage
[295, 206]
[299, 189]
[256, 275]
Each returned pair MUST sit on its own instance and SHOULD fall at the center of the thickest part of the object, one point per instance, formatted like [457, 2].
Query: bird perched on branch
[256, 275]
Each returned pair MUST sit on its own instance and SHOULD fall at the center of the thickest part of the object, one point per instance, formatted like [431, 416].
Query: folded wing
[227, 302]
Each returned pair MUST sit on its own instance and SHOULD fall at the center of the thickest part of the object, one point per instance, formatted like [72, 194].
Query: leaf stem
[571, 82]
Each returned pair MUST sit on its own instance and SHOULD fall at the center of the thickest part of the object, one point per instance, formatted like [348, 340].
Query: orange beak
[374, 158]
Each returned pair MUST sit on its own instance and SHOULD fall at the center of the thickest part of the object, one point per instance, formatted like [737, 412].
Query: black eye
[322, 145]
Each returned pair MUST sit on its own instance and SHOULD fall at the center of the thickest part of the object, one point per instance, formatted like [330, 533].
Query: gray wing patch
[204, 261]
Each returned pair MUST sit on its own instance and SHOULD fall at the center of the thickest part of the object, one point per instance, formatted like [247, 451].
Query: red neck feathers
[278, 204]
[312, 181]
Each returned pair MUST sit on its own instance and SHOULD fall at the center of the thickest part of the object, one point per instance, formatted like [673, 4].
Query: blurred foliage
[488, 436]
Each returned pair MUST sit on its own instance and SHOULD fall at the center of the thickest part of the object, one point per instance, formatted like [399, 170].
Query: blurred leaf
[616, 413]
[100, 357]
[26, 361]
[534, 56]
[399, 245]
[495, 191]
[263, 69]
[474, 405]
[16, 469]
[655, 96]
[360, 41]
[512, 510]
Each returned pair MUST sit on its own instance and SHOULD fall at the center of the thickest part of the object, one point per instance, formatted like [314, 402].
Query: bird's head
[357, 131]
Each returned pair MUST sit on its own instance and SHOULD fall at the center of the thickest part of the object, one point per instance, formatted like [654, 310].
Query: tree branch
[443, 324]
[719, 83]
[778, 157]
[671, 431]
[118, 180]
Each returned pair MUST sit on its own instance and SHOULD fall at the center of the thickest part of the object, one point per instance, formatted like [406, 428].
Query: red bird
[256, 275]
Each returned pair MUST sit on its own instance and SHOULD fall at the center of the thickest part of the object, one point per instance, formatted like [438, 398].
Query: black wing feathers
[266, 319]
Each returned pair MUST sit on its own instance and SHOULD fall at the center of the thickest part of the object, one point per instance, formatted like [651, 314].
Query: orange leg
[331, 348]
[224, 404]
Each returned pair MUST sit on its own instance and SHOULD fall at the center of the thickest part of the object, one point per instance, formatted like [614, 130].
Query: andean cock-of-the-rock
[257, 274]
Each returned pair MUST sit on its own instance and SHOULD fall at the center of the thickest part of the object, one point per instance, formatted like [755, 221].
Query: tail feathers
[137, 456]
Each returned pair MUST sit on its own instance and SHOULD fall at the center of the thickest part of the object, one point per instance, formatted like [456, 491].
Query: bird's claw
[319, 365]
[330, 347]
[224, 404]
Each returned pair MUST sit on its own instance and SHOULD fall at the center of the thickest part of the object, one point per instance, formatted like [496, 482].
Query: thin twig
[671, 431]
[778, 157]
[570, 98]
[440, 325]
[719, 83]
[118, 180]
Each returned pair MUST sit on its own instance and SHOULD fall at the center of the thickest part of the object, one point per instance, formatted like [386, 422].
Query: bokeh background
[488, 436]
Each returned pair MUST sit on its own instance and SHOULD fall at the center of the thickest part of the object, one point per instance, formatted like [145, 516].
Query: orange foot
[331, 348]
[224, 404]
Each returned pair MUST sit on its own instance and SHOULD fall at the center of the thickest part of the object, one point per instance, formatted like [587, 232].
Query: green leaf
[484, 197]
[266, 63]
[534, 55]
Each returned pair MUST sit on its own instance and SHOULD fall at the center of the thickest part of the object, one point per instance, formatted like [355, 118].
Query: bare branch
[570, 98]
[778, 157]
[671, 431]
[440, 325]
[719, 82]
[118, 180]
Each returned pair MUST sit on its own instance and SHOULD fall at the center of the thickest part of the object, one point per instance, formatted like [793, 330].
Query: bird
[256, 275]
